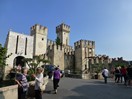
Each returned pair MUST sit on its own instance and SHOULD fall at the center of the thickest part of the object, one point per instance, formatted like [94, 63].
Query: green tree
[97, 68]
[3, 57]
[35, 62]
[58, 42]
[117, 63]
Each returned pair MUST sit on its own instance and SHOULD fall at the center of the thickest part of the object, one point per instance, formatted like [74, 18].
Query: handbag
[42, 86]
[103, 74]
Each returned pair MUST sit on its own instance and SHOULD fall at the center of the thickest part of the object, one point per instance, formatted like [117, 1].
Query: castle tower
[56, 55]
[84, 49]
[40, 39]
[63, 31]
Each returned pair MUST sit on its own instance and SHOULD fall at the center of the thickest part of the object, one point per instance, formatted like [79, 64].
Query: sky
[107, 22]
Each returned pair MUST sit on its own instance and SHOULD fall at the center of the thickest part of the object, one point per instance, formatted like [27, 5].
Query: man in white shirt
[105, 74]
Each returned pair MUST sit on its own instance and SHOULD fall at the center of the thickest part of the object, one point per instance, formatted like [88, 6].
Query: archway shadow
[19, 60]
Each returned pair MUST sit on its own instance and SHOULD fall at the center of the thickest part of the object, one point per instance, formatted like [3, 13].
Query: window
[90, 50]
[66, 41]
[17, 44]
[26, 46]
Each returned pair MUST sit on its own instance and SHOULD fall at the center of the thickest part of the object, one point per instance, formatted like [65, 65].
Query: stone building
[21, 46]
[67, 57]
[83, 50]
[102, 60]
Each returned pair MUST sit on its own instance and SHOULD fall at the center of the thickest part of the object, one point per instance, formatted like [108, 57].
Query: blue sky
[107, 22]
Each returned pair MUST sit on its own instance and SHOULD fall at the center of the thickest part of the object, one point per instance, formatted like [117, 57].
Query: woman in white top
[38, 82]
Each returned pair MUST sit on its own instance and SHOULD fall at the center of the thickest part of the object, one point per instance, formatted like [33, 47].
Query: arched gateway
[19, 61]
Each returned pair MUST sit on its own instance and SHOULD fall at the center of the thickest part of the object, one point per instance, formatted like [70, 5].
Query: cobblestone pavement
[88, 89]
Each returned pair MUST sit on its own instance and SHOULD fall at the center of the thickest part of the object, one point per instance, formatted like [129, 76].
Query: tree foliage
[35, 62]
[96, 68]
[58, 42]
[3, 57]
[119, 63]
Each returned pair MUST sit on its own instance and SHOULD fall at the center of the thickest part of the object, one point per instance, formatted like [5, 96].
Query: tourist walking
[56, 79]
[38, 82]
[129, 75]
[117, 75]
[23, 84]
[123, 74]
[105, 74]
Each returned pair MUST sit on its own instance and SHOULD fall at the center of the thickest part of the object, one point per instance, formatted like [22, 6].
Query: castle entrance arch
[19, 61]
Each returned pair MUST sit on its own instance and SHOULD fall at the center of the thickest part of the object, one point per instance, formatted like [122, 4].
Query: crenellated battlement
[58, 47]
[68, 50]
[55, 47]
[69, 53]
[63, 27]
[84, 44]
[50, 42]
[68, 47]
[43, 56]
[102, 56]
[117, 59]
[38, 29]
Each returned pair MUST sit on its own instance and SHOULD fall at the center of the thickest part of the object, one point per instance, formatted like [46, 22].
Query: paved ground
[88, 89]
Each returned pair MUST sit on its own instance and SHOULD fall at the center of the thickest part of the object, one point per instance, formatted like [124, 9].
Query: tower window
[42, 39]
[66, 41]
[26, 46]
[17, 44]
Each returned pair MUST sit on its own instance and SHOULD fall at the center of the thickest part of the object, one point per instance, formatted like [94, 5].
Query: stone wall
[39, 33]
[69, 58]
[56, 55]
[83, 50]
[16, 46]
[9, 92]
[63, 33]
[78, 59]
[19, 45]
[69, 61]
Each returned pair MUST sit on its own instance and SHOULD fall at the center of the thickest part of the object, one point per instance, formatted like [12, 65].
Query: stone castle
[67, 57]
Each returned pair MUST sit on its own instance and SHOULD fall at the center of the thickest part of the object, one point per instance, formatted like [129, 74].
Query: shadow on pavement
[47, 92]
[99, 90]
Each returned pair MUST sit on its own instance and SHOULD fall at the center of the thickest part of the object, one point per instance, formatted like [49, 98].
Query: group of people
[122, 74]
[23, 85]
